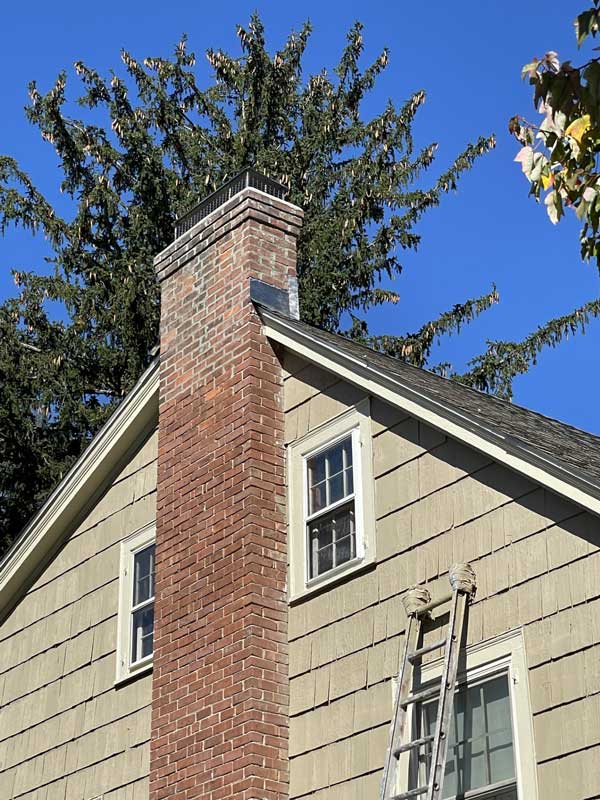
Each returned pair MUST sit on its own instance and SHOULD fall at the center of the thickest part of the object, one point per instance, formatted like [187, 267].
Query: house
[210, 604]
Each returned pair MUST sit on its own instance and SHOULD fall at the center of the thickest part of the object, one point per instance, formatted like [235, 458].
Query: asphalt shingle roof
[576, 450]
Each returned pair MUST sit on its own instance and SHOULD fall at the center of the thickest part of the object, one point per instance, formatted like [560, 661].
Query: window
[331, 510]
[142, 611]
[136, 603]
[330, 526]
[490, 744]
[480, 745]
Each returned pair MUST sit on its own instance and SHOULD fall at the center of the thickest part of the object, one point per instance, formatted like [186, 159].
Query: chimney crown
[247, 178]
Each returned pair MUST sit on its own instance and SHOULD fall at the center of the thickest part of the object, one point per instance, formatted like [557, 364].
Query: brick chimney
[220, 684]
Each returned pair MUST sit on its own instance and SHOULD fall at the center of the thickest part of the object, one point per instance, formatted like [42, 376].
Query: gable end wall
[536, 557]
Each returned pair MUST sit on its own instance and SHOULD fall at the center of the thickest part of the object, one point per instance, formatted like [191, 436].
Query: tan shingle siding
[537, 562]
[65, 731]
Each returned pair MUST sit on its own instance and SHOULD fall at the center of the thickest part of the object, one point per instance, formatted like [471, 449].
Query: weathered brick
[220, 685]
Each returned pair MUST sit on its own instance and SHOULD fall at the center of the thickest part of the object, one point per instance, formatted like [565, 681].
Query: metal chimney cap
[247, 178]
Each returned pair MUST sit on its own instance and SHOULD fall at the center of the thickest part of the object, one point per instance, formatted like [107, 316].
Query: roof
[108, 451]
[498, 427]
[575, 448]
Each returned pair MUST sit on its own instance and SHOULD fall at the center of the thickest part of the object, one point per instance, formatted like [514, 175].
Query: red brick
[220, 685]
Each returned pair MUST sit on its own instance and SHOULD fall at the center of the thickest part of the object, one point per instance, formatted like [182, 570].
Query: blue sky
[467, 55]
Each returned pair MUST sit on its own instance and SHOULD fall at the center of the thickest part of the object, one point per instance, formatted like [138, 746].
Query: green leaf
[585, 24]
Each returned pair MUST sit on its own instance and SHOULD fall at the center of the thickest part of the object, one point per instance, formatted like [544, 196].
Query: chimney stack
[220, 684]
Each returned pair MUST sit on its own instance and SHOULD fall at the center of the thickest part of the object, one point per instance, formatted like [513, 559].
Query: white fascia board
[504, 450]
[84, 481]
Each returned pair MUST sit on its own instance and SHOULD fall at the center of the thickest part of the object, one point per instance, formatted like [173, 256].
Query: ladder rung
[434, 604]
[427, 649]
[412, 745]
[418, 697]
[411, 793]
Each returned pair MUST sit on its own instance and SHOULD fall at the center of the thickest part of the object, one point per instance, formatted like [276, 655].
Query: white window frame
[356, 423]
[504, 654]
[139, 540]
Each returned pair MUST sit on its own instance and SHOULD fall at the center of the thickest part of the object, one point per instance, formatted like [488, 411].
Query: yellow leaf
[578, 128]
[547, 180]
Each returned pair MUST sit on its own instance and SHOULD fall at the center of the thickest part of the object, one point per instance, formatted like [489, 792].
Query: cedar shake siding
[220, 685]
[66, 732]
[537, 562]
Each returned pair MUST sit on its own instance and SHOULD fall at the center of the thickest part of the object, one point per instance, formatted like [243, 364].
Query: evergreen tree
[165, 144]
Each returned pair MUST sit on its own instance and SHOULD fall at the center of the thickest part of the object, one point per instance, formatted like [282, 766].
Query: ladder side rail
[388, 781]
[463, 582]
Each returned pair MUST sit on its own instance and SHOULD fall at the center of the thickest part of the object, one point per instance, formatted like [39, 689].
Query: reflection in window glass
[331, 526]
[143, 632]
[142, 616]
[480, 745]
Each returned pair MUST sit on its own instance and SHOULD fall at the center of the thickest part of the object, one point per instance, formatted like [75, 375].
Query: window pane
[480, 742]
[499, 727]
[142, 633]
[502, 758]
[325, 559]
[318, 497]
[316, 469]
[349, 478]
[335, 460]
[336, 487]
[330, 476]
[143, 575]
[511, 794]
[344, 550]
[331, 539]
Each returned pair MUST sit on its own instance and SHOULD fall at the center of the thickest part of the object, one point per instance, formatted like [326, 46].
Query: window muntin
[481, 758]
[142, 609]
[331, 513]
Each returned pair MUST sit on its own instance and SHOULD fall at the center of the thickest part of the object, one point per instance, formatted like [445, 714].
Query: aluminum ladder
[418, 605]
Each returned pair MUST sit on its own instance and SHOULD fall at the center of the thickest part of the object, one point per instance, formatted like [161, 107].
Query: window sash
[147, 578]
[498, 790]
[346, 469]
[141, 606]
[348, 442]
[150, 576]
[337, 542]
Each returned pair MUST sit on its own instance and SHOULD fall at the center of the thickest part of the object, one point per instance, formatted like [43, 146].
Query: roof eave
[81, 485]
[506, 450]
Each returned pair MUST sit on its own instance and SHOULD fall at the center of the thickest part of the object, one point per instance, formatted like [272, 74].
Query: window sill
[500, 790]
[334, 578]
[132, 674]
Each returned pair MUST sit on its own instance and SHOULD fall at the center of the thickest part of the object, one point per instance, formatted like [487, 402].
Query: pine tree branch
[495, 370]
[415, 348]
